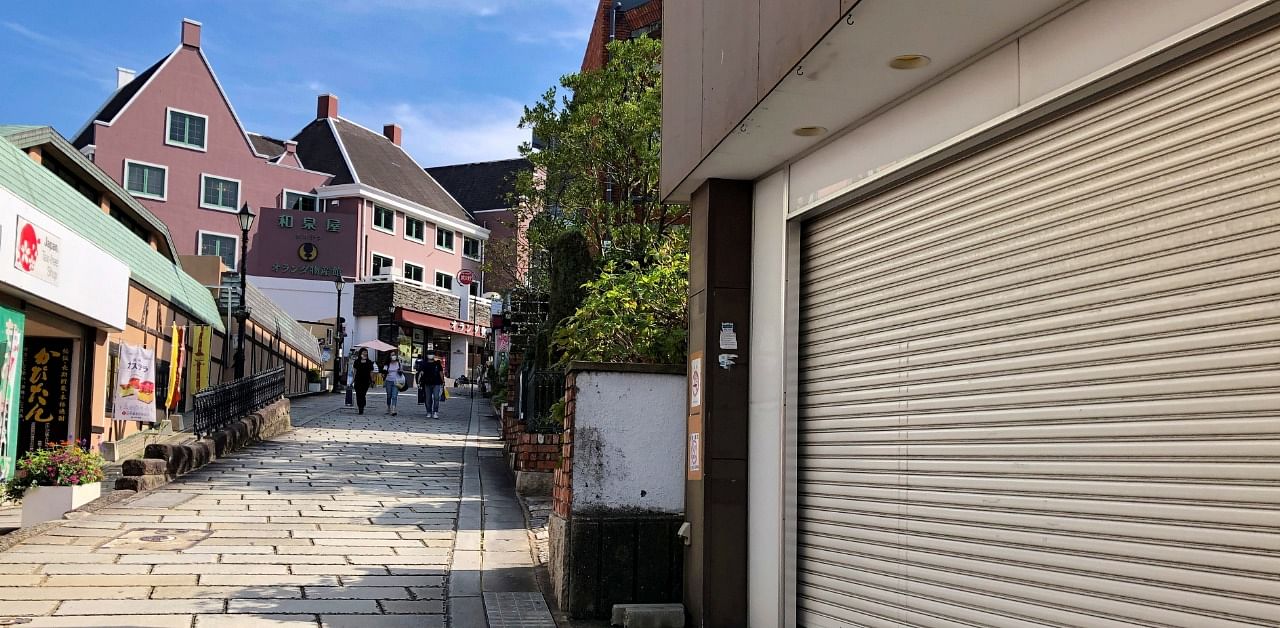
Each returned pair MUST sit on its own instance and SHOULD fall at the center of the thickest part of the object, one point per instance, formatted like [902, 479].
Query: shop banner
[11, 329]
[177, 354]
[135, 391]
[46, 392]
[198, 373]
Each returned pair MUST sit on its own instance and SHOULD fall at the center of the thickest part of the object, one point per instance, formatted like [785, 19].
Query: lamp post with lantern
[246, 222]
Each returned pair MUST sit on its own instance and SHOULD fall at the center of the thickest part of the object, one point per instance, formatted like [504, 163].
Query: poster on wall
[198, 373]
[45, 406]
[135, 390]
[12, 323]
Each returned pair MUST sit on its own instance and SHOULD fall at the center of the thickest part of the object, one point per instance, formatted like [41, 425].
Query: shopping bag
[444, 393]
[422, 395]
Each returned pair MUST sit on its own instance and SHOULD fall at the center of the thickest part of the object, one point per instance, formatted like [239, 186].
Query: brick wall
[562, 491]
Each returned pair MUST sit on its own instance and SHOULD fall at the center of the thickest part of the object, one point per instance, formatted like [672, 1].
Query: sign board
[135, 389]
[466, 276]
[37, 252]
[296, 244]
[695, 445]
[45, 407]
[12, 323]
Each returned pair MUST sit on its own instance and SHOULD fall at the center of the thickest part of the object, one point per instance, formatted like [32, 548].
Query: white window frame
[201, 233]
[452, 280]
[203, 205]
[479, 246]
[168, 122]
[478, 289]
[373, 272]
[284, 199]
[417, 266]
[373, 219]
[423, 239]
[163, 197]
[453, 239]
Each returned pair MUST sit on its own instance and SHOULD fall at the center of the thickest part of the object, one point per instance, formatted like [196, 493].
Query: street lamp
[246, 222]
[338, 333]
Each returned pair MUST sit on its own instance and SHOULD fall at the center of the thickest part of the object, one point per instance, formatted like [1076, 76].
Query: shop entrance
[52, 376]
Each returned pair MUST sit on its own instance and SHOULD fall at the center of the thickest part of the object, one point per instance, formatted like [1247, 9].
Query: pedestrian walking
[431, 379]
[362, 370]
[395, 377]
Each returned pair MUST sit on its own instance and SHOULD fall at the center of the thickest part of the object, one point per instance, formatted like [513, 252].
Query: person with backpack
[431, 379]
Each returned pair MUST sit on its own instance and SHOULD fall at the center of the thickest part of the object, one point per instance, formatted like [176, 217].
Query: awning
[431, 321]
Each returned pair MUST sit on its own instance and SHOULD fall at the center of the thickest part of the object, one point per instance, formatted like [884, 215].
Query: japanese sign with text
[135, 389]
[46, 392]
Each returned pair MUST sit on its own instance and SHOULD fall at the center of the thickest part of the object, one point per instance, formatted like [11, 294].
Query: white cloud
[441, 134]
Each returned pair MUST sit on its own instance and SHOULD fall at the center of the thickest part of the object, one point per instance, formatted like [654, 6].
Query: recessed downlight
[909, 62]
[810, 131]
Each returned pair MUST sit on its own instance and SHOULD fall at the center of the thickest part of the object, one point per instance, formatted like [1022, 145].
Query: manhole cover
[156, 538]
[14, 621]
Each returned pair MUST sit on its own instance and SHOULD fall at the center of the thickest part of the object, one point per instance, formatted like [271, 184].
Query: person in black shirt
[431, 379]
[363, 369]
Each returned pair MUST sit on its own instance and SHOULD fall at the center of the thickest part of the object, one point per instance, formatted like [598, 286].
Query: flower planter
[46, 503]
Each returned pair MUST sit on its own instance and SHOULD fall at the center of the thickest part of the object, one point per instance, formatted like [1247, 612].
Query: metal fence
[540, 390]
[224, 403]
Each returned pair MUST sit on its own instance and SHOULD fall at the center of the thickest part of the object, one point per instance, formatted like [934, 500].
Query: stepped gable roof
[481, 186]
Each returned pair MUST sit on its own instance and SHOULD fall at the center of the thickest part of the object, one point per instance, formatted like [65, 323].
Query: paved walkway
[347, 521]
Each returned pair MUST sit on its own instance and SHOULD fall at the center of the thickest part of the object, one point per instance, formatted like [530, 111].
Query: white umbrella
[376, 345]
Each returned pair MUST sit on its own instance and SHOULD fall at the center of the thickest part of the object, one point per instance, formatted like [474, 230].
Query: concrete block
[648, 615]
[144, 466]
[534, 482]
[141, 482]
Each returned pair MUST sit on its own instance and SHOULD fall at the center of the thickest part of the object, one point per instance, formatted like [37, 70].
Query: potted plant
[55, 480]
[315, 380]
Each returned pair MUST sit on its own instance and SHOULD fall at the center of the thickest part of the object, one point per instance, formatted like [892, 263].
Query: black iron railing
[540, 391]
[219, 405]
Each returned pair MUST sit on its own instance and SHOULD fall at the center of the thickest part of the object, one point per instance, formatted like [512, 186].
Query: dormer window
[185, 129]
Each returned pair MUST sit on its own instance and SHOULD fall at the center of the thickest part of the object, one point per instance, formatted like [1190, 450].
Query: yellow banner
[198, 374]
[175, 368]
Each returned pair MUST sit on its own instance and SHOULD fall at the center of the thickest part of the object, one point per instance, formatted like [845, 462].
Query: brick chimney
[124, 76]
[190, 33]
[290, 147]
[327, 106]
[393, 132]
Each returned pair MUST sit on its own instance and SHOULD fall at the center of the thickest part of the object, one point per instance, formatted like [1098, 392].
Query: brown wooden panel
[730, 65]
[682, 91]
[788, 29]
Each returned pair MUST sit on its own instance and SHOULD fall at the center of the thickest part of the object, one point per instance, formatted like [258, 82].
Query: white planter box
[46, 503]
[315, 387]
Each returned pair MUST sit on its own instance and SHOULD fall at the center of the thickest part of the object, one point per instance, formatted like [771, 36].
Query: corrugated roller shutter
[1041, 385]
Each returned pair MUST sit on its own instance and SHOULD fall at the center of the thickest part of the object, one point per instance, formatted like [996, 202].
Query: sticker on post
[728, 336]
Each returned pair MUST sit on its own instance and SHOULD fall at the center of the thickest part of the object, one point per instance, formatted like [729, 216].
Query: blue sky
[453, 73]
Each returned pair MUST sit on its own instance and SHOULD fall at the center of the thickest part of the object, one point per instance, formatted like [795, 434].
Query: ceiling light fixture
[909, 62]
[810, 131]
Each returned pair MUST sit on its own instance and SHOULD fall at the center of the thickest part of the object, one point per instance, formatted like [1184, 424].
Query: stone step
[648, 615]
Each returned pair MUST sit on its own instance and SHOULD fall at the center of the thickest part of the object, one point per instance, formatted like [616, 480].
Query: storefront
[60, 295]
[459, 343]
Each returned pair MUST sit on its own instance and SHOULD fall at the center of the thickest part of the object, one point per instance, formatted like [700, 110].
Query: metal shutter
[1041, 385]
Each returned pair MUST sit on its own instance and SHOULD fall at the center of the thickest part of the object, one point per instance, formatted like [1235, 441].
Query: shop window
[186, 129]
[300, 201]
[146, 180]
[414, 229]
[219, 193]
[471, 248]
[384, 219]
[413, 272]
[380, 262]
[113, 371]
[220, 244]
[444, 239]
[444, 280]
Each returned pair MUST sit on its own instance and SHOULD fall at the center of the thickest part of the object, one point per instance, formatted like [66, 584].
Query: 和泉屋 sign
[296, 244]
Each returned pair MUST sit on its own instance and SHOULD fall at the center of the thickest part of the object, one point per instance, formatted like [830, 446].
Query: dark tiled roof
[319, 150]
[116, 102]
[481, 186]
[377, 163]
[268, 146]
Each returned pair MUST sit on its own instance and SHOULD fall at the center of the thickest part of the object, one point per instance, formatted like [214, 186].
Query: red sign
[465, 277]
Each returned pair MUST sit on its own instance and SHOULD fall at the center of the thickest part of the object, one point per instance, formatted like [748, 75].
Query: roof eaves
[415, 163]
[342, 148]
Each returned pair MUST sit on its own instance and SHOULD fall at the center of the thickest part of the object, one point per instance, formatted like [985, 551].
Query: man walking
[431, 379]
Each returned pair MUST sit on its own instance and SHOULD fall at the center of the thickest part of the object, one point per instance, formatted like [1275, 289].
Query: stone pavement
[347, 521]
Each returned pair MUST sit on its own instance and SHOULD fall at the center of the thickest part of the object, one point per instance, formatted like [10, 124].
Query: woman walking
[395, 376]
[432, 380]
[362, 370]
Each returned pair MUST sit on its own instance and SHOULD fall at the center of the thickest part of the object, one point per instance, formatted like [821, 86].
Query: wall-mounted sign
[37, 252]
[135, 389]
[465, 277]
[46, 392]
[300, 244]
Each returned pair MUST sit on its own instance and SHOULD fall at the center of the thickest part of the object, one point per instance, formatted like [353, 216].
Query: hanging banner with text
[12, 323]
[135, 390]
[198, 371]
[46, 392]
[177, 353]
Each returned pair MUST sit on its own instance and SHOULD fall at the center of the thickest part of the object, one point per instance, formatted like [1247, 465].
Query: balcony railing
[540, 390]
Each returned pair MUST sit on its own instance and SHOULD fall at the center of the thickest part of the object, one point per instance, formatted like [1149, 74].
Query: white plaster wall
[365, 329]
[628, 442]
[765, 401]
[306, 299]
[457, 355]
[1067, 49]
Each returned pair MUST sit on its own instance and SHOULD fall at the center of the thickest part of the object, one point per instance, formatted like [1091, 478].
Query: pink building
[345, 202]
